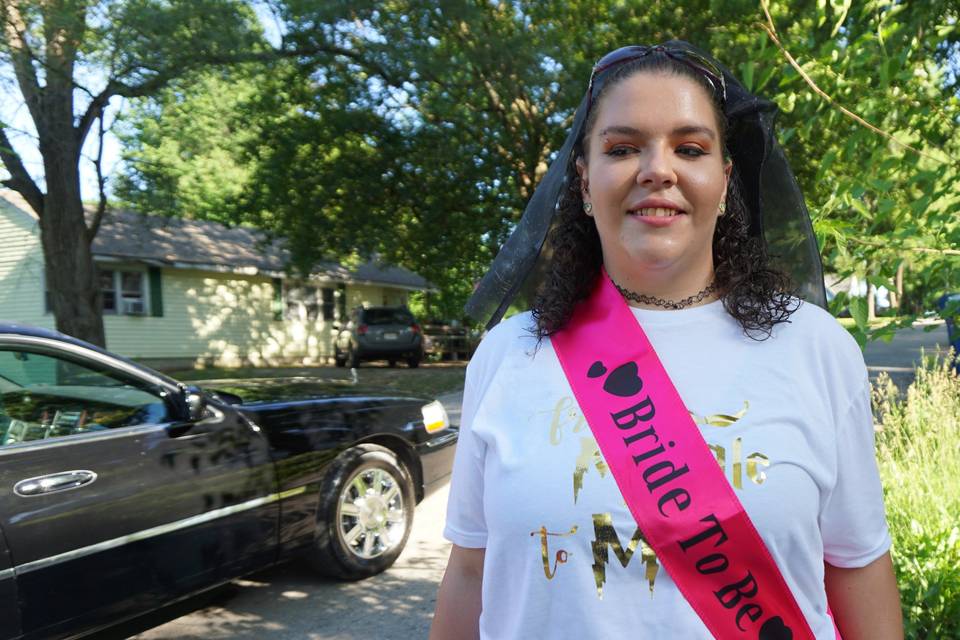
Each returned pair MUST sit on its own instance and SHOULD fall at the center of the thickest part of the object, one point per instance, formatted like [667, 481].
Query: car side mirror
[196, 403]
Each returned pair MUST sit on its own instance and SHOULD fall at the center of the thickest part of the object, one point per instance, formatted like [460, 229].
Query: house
[181, 293]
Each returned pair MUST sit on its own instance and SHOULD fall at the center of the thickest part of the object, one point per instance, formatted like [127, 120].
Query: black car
[122, 490]
[377, 333]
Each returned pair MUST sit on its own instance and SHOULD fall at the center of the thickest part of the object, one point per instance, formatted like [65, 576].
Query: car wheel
[353, 359]
[392, 363]
[413, 361]
[366, 512]
[338, 358]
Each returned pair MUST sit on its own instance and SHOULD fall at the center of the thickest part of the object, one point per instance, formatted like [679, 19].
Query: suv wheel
[338, 358]
[365, 515]
[413, 361]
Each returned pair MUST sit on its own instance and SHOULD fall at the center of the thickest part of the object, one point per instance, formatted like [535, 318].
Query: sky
[14, 114]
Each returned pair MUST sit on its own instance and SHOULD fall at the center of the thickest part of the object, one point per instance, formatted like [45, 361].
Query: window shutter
[156, 291]
[342, 302]
[277, 299]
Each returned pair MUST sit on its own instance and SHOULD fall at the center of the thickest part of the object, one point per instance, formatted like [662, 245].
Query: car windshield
[387, 316]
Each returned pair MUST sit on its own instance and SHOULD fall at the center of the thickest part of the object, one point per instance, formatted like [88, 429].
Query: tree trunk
[71, 275]
[900, 269]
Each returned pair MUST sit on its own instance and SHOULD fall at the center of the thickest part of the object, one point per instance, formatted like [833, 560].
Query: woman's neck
[666, 286]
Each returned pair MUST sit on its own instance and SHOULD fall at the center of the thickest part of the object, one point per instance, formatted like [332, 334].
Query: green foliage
[428, 125]
[918, 452]
[184, 148]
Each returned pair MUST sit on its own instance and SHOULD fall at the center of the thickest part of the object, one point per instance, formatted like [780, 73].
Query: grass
[427, 380]
[918, 452]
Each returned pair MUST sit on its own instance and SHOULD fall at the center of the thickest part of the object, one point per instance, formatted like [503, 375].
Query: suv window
[387, 316]
[45, 396]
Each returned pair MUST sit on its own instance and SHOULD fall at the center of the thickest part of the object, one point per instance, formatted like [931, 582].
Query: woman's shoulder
[505, 341]
[815, 331]
[516, 332]
[812, 320]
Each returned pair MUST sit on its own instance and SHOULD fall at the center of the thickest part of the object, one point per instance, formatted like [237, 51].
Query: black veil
[777, 211]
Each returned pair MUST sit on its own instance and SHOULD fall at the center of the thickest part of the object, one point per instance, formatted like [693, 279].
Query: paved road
[290, 603]
[899, 357]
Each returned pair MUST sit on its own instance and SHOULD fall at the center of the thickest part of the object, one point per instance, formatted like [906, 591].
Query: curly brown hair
[754, 293]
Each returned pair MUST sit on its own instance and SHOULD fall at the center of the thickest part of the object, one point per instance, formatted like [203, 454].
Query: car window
[45, 396]
[387, 316]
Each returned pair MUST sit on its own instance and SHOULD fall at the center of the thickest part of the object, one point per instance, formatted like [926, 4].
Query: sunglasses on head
[695, 61]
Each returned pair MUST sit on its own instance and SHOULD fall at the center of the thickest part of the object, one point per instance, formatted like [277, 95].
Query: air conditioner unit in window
[132, 307]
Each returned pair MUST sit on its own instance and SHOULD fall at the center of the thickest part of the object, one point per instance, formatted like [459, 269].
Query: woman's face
[655, 176]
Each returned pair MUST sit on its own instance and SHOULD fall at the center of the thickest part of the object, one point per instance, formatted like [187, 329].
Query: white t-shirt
[788, 419]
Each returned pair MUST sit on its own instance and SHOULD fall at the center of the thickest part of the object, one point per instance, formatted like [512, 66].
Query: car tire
[353, 359]
[413, 361]
[392, 363]
[365, 515]
[338, 358]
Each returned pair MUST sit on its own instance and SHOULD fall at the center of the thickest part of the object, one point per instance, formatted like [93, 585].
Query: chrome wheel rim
[371, 513]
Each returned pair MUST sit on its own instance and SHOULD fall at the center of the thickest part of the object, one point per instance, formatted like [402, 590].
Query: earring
[722, 208]
[587, 208]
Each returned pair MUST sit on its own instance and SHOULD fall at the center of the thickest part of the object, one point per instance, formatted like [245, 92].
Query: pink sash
[670, 480]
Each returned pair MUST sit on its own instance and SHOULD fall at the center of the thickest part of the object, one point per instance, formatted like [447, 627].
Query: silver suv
[378, 333]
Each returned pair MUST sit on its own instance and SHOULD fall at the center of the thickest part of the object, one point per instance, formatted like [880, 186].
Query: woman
[651, 204]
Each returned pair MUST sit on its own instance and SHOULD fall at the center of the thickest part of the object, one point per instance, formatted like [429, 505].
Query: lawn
[430, 379]
[918, 451]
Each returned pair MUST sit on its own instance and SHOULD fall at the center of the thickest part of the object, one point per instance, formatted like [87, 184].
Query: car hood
[262, 391]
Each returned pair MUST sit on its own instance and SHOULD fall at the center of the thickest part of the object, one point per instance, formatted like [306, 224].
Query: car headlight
[434, 417]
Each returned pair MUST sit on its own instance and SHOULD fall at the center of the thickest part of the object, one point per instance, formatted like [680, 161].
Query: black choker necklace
[667, 304]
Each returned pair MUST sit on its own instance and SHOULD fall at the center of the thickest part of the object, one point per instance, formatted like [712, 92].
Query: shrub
[918, 452]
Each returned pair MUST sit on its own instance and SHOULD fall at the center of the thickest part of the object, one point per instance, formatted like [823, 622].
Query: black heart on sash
[624, 381]
[596, 370]
[774, 629]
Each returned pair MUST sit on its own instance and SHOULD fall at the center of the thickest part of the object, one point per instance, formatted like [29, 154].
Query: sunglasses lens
[620, 55]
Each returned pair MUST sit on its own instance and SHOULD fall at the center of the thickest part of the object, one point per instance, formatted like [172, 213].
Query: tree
[881, 200]
[70, 58]
[419, 129]
[412, 129]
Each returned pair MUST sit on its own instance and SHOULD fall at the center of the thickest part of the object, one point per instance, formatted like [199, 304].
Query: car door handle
[53, 482]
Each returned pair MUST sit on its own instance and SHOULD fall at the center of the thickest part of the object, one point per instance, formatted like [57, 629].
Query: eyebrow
[679, 131]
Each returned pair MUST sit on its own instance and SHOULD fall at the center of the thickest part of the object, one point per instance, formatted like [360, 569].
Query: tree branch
[94, 110]
[14, 32]
[771, 30]
[162, 78]
[101, 185]
[887, 245]
[20, 181]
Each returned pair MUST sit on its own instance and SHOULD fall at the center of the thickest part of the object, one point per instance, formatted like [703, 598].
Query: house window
[303, 303]
[108, 291]
[308, 303]
[123, 292]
